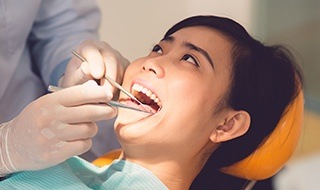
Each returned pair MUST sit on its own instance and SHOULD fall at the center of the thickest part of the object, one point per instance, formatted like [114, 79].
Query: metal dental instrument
[111, 81]
[52, 88]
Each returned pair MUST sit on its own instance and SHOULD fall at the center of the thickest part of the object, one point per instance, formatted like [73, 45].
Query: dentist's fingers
[74, 148]
[111, 63]
[91, 52]
[73, 132]
[87, 113]
[101, 60]
[89, 92]
[77, 72]
[115, 65]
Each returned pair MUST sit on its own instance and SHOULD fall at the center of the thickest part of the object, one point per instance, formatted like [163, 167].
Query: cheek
[191, 101]
[132, 70]
[133, 67]
[190, 91]
[195, 102]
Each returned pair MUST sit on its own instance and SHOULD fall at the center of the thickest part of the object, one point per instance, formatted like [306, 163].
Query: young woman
[215, 93]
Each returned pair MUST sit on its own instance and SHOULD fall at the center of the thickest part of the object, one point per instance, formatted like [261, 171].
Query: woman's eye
[157, 49]
[190, 59]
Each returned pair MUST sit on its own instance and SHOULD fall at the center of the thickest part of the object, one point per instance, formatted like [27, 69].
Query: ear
[236, 124]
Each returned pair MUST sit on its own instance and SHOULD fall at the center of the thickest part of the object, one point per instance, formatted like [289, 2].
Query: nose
[154, 66]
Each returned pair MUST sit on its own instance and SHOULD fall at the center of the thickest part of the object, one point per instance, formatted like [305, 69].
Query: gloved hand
[53, 128]
[102, 60]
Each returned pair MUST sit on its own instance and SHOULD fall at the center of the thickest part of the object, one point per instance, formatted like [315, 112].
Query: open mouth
[147, 97]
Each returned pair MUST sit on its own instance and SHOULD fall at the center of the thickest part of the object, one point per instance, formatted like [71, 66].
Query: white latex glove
[102, 60]
[53, 128]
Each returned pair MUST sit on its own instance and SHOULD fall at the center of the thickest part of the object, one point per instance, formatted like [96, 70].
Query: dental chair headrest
[276, 149]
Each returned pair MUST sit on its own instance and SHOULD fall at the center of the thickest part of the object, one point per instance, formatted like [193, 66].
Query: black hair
[264, 80]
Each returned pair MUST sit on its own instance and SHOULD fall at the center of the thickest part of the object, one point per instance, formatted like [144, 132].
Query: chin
[133, 126]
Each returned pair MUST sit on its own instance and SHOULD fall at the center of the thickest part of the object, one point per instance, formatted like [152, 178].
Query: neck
[177, 173]
[173, 174]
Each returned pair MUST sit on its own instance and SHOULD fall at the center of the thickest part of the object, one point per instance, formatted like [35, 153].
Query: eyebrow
[192, 47]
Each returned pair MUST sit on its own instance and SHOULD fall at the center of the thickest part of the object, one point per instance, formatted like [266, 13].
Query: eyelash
[194, 60]
[185, 57]
[156, 48]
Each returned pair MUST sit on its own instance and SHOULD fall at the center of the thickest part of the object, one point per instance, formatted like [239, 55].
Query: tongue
[143, 98]
[138, 106]
[147, 102]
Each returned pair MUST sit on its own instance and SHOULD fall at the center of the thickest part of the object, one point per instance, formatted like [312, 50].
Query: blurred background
[133, 27]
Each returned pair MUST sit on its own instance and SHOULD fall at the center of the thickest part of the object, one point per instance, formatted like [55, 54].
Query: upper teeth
[147, 92]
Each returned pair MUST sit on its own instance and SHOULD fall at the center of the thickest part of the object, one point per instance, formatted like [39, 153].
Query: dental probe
[52, 88]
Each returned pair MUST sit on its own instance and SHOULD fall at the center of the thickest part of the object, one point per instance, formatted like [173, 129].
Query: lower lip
[130, 102]
[138, 116]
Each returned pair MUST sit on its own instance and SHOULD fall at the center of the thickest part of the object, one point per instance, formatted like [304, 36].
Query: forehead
[205, 36]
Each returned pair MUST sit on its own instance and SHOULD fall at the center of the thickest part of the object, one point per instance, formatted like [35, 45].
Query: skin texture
[178, 140]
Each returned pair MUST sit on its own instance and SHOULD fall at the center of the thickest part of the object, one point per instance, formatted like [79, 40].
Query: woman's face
[183, 78]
